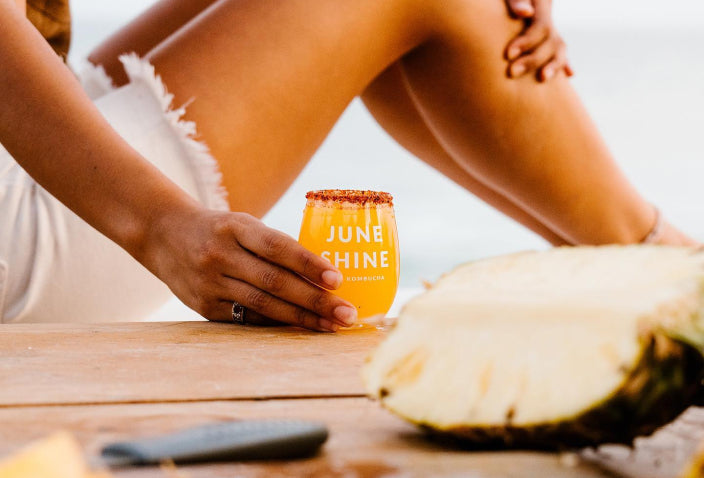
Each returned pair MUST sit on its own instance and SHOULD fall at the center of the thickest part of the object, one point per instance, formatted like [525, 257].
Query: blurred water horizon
[640, 72]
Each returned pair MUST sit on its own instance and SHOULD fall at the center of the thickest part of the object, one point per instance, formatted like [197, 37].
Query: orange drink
[356, 232]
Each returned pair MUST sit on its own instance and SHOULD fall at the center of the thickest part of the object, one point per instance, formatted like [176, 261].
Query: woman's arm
[58, 136]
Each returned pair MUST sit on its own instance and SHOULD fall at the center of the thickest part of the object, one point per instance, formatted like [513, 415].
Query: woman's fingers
[255, 318]
[538, 48]
[556, 63]
[267, 305]
[534, 61]
[568, 70]
[291, 288]
[521, 8]
[278, 248]
[537, 32]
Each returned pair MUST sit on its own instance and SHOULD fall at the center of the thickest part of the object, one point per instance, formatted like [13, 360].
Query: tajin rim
[359, 197]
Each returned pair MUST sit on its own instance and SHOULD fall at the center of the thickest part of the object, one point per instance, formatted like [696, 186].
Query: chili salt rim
[351, 196]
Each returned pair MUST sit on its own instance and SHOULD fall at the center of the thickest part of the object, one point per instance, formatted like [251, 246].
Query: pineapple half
[571, 347]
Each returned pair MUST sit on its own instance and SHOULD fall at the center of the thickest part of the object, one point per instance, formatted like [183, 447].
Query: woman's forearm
[58, 136]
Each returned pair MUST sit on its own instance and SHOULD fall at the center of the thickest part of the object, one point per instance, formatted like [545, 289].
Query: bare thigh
[269, 79]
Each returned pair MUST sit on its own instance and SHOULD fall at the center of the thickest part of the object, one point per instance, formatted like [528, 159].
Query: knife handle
[232, 441]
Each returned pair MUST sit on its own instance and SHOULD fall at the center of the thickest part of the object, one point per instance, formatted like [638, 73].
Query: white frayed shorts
[54, 267]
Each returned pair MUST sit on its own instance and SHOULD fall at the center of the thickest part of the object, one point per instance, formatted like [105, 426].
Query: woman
[264, 81]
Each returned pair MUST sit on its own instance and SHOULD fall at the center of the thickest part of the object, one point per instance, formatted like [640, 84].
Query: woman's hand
[538, 49]
[211, 259]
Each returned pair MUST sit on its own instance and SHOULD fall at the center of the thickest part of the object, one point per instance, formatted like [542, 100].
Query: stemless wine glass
[356, 232]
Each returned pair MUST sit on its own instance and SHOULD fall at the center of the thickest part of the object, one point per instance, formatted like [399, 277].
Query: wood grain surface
[172, 361]
[117, 381]
[365, 440]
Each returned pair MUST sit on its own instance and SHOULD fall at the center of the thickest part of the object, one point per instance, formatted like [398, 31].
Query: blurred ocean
[639, 70]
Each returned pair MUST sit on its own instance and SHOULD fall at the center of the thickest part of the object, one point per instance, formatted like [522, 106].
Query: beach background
[640, 72]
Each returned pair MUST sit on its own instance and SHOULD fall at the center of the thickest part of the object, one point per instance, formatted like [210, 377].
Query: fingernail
[328, 325]
[524, 8]
[345, 314]
[518, 70]
[332, 278]
[514, 52]
[548, 72]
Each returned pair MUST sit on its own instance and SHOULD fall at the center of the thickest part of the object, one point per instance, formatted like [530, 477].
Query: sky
[568, 13]
[629, 13]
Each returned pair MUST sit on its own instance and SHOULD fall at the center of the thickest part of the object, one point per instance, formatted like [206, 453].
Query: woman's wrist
[152, 226]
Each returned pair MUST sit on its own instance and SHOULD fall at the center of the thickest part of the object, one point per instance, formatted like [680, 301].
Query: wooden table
[119, 381]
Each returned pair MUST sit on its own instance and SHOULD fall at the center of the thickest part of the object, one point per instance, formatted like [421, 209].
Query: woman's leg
[270, 79]
[388, 100]
[534, 143]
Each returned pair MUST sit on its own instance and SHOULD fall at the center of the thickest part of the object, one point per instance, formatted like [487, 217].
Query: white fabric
[54, 267]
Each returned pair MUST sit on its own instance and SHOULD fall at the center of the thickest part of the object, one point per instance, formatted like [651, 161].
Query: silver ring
[238, 311]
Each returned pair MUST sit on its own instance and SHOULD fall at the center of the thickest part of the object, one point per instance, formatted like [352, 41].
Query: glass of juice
[356, 231]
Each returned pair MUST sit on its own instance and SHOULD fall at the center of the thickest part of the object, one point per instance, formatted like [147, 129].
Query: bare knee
[481, 21]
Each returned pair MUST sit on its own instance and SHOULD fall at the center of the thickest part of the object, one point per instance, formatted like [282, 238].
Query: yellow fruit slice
[57, 456]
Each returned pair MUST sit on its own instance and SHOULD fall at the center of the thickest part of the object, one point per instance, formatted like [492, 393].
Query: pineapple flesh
[574, 346]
